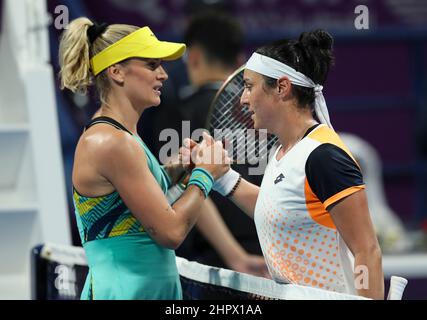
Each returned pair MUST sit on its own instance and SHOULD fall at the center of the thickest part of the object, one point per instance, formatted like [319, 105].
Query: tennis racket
[230, 121]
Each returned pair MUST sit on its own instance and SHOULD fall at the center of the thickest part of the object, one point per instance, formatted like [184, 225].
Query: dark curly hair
[311, 55]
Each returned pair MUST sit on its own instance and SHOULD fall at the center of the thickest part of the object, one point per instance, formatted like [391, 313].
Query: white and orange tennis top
[299, 240]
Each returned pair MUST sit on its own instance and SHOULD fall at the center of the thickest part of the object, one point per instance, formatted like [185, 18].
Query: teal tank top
[124, 262]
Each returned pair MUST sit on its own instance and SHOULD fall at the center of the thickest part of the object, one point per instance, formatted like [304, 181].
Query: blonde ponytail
[74, 57]
[75, 52]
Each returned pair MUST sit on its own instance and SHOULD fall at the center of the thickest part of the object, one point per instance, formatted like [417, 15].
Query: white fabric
[275, 69]
[297, 245]
[226, 183]
[397, 287]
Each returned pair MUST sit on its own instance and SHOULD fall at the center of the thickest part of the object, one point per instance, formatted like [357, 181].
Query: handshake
[209, 155]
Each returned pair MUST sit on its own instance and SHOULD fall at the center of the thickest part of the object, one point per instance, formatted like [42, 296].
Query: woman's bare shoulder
[104, 138]
[99, 151]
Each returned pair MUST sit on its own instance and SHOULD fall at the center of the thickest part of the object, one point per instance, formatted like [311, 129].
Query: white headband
[275, 69]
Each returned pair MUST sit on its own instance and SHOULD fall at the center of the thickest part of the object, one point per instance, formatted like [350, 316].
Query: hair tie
[95, 30]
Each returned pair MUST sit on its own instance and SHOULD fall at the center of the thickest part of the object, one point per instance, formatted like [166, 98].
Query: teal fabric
[157, 170]
[124, 262]
[203, 179]
[130, 267]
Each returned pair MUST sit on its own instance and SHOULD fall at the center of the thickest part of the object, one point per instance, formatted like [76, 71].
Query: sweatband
[225, 184]
[202, 179]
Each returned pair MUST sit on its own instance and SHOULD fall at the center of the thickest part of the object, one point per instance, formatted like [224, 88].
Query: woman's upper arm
[124, 164]
[336, 179]
[352, 219]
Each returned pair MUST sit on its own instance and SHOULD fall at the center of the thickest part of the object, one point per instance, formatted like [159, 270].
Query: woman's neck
[294, 129]
[121, 110]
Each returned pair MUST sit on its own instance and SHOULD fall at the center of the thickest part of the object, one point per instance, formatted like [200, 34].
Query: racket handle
[397, 286]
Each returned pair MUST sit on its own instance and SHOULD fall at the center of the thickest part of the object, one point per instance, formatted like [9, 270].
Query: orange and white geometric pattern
[299, 240]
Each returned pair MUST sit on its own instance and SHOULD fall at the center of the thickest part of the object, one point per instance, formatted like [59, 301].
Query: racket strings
[239, 129]
[229, 104]
[232, 122]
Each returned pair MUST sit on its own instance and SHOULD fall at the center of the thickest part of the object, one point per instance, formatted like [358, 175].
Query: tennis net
[59, 272]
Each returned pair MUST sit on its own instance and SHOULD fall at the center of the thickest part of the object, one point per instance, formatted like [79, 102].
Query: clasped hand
[208, 154]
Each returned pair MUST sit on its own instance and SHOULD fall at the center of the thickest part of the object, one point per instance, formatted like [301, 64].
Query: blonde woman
[128, 228]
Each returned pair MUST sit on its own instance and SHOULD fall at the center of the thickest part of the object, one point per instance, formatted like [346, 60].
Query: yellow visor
[141, 43]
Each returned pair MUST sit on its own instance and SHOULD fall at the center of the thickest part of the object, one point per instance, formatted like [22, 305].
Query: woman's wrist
[234, 255]
[203, 179]
[227, 184]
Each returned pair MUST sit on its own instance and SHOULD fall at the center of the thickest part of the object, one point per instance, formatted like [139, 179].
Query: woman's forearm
[235, 257]
[352, 219]
[368, 274]
[245, 197]
[213, 228]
